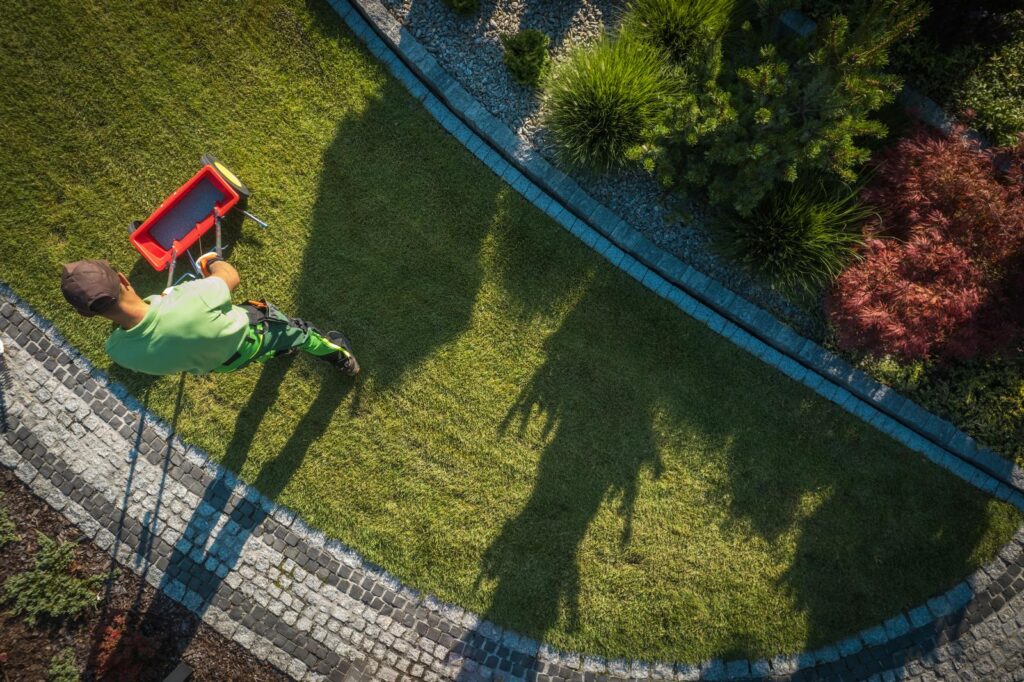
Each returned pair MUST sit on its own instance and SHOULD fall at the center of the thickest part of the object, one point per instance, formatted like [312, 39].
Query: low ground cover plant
[967, 57]
[940, 275]
[64, 668]
[526, 55]
[956, 38]
[984, 397]
[993, 94]
[52, 588]
[602, 101]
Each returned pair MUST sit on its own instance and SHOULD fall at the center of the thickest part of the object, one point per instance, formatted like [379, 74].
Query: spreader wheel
[229, 177]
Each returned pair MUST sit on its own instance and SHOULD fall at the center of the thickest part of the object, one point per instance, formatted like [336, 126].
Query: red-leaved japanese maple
[940, 272]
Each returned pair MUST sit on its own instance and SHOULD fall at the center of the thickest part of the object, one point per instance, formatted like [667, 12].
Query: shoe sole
[342, 340]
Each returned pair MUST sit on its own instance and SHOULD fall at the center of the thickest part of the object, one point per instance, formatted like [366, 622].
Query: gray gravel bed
[469, 48]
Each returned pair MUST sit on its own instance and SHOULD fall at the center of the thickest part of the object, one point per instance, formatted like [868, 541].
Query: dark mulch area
[177, 634]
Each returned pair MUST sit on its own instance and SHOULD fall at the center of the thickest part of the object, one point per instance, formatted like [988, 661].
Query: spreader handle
[216, 231]
[170, 268]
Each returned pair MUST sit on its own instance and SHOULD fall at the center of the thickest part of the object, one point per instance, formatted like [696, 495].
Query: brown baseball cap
[89, 285]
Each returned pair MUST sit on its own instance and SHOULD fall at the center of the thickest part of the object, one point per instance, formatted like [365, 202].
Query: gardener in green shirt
[193, 327]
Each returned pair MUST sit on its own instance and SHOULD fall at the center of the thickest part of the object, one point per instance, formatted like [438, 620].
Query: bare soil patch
[174, 633]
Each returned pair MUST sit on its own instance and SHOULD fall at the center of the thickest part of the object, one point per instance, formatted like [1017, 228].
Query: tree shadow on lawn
[879, 526]
[534, 558]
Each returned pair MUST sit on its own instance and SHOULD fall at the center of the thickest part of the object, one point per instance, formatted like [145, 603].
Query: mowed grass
[534, 436]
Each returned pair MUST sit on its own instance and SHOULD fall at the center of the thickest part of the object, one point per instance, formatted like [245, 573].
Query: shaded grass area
[535, 436]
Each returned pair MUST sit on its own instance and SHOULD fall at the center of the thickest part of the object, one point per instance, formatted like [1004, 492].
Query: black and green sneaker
[346, 361]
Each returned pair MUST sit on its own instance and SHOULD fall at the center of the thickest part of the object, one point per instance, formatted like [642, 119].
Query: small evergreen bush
[785, 107]
[463, 6]
[63, 667]
[603, 100]
[7, 529]
[526, 55]
[800, 238]
[955, 38]
[52, 587]
[994, 93]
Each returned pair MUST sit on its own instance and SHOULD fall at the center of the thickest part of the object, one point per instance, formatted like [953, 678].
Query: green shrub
[7, 529]
[995, 93]
[63, 667]
[463, 6]
[955, 40]
[984, 398]
[51, 588]
[603, 100]
[526, 55]
[785, 108]
[687, 31]
[799, 238]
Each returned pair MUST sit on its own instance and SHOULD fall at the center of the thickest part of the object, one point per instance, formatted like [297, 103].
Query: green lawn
[534, 436]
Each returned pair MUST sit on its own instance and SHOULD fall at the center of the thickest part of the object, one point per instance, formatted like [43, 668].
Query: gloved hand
[206, 260]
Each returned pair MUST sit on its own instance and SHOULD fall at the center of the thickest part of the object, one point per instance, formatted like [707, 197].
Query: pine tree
[786, 106]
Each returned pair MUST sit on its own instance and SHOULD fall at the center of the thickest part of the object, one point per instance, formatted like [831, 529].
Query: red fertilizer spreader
[180, 222]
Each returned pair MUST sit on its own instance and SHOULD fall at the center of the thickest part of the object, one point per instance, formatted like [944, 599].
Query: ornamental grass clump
[685, 30]
[526, 55]
[942, 274]
[603, 101]
[800, 238]
[52, 588]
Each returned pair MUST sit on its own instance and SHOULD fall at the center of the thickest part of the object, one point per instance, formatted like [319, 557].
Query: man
[193, 327]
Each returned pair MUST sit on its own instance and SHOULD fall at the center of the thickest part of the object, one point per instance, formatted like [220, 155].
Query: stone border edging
[700, 296]
[340, 617]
